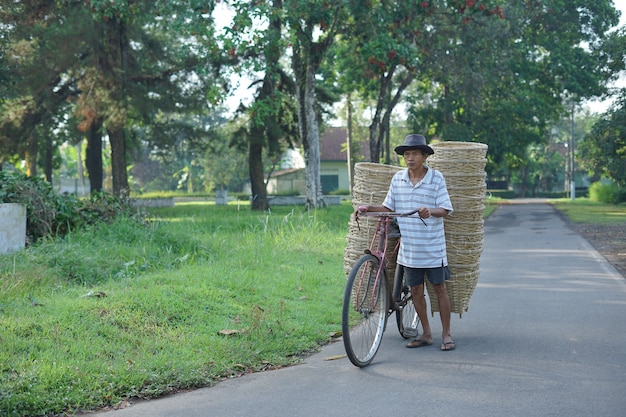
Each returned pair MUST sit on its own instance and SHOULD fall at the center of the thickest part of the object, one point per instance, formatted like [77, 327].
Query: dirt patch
[609, 240]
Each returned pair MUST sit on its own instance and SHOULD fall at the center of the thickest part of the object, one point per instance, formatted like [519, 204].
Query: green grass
[128, 310]
[491, 203]
[583, 210]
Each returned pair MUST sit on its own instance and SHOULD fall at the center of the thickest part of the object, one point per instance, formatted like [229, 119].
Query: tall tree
[143, 61]
[36, 91]
[270, 122]
[399, 47]
[313, 26]
[124, 62]
[381, 61]
[269, 106]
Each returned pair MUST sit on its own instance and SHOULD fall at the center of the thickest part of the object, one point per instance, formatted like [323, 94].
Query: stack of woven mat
[463, 166]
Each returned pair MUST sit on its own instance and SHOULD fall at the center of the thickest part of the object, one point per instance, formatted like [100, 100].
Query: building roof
[333, 149]
[287, 171]
[333, 145]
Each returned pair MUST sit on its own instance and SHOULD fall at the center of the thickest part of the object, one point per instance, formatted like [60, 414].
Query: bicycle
[368, 302]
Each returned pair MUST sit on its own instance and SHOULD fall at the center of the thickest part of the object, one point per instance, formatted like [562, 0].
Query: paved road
[544, 336]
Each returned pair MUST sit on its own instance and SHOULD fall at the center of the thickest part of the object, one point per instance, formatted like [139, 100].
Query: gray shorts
[415, 276]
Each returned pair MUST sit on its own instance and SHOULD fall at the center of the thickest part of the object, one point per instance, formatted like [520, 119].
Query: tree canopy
[603, 150]
[150, 77]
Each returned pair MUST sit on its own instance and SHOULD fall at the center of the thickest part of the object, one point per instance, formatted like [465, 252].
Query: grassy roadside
[200, 294]
[583, 210]
[580, 210]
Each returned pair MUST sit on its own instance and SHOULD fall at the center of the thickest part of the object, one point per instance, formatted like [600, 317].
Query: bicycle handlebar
[362, 210]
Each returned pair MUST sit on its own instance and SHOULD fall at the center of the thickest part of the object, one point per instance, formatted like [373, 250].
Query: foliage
[603, 150]
[51, 214]
[498, 72]
[540, 171]
[97, 317]
[528, 65]
[414, 43]
[224, 167]
[607, 193]
[98, 67]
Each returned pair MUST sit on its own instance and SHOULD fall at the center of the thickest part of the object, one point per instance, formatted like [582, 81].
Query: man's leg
[444, 312]
[417, 294]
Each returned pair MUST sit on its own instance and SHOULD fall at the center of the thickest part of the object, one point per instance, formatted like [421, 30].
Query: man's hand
[359, 210]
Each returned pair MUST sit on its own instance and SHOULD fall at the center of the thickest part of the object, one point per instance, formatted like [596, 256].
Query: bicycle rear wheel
[406, 316]
[364, 313]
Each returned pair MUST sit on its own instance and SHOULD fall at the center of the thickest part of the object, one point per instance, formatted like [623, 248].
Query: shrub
[289, 193]
[49, 213]
[606, 193]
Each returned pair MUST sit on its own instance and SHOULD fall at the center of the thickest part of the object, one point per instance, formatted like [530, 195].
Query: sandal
[446, 346]
[418, 343]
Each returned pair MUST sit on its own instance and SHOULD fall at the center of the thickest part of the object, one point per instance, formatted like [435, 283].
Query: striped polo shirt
[421, 246]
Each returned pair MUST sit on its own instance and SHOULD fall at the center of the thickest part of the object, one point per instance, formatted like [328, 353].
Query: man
[423, 246]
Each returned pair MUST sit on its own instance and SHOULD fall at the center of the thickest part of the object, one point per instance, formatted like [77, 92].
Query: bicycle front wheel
[364, 313]
[406, 317]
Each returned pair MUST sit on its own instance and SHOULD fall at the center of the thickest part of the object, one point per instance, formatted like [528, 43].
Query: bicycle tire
[406, 316]
[365, 310]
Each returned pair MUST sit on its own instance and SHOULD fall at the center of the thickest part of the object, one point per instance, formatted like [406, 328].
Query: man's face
[414, 158]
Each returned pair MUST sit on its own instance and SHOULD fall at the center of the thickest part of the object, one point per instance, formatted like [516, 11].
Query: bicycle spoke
[406, 316]
[365, 310]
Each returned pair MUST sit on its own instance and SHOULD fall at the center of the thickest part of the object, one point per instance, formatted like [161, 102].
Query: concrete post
[221, 197]
[12, 227]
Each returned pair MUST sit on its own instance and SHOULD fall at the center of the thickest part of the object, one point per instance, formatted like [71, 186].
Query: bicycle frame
[379, 249]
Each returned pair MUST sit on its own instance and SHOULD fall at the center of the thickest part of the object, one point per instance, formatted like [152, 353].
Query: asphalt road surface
[544, 336]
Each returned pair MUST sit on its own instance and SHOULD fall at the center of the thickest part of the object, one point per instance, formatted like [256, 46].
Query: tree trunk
[118, 161]
[447, 114]
[314, 195]
[260, 136]
[374, 138]
[304, 69]
[257, 182]
[93, 157]
[31, 157]
[48, 159]
[80, 172]
[380, 126]
[350, 146]
[115, 66]
[524, 181]
[375, 127]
